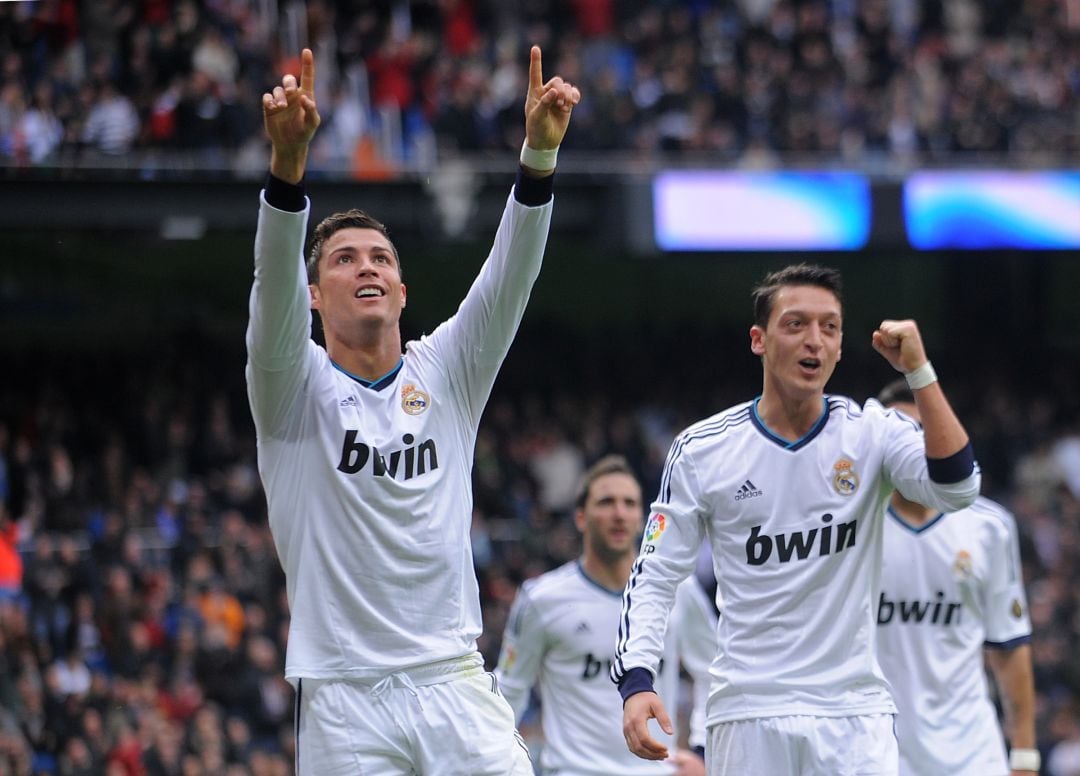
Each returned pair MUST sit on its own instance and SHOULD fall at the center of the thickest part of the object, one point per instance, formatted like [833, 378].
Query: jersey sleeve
[1007, 620]
[694, 624]
[279, 323]
[949, 484]
[669, 550]
[521, 654]
[475, 340]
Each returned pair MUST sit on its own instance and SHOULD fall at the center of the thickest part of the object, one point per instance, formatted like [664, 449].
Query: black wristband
[283, 195]
[533, 192]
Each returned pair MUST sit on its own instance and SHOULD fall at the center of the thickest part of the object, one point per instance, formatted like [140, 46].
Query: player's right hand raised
[291, 118]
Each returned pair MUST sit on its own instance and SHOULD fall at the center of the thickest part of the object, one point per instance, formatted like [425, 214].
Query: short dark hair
[609, 464]
[348, 219]
[896, 392]
[764, 294]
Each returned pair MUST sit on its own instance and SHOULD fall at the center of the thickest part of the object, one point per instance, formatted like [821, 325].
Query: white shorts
[415, 723]
[862, 745]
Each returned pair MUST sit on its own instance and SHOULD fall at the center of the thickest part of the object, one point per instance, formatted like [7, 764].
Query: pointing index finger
[307, 71]
[536, 78]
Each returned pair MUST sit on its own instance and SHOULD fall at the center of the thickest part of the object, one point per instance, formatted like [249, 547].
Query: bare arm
[637, 711]
[291, 118]
[1016, 685]
[901, 345]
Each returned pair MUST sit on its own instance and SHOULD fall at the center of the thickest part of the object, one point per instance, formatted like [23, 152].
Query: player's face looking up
[801, 343]
[359, 283]
[611, 518]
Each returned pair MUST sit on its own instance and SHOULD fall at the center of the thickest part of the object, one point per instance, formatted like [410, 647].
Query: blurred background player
[366, 456]
[952, 592]
[790, 489]
[561, 635]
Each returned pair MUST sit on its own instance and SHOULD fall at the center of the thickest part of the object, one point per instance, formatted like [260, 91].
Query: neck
[790, 418]
[612, 574]
[367, 360]
[912, 512]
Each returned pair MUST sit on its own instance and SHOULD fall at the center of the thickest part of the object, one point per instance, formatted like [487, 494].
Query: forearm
[1016, 687]
[943, 432]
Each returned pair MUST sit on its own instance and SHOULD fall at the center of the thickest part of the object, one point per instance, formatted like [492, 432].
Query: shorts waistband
[438, 672]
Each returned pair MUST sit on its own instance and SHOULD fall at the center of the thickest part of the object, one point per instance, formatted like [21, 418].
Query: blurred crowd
[142, 608]
[402, 83]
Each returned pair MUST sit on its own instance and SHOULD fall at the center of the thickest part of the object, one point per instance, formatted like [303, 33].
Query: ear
[579, 519]
[315, 297]
[404, 294]
[757, 340]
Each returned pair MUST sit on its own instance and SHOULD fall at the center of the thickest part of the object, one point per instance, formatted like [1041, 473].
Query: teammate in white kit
[951, 591]
[561, 632]
[790, 490]
[366, 455]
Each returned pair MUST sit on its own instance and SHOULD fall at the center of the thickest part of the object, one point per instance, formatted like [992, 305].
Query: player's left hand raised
[547, 106]
[901, 345]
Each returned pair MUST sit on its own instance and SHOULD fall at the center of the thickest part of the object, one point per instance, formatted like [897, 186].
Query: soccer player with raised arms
[561, 634]
[952, 592]
[790, 491]
[366, 458]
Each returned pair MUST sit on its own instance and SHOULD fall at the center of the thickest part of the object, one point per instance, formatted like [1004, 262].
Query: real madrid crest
[845, 480]
[413, 400]
[1017, 609]
[962, 567]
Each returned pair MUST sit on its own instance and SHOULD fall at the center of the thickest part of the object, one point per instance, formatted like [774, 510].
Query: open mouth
[369, 291]
[811, 364]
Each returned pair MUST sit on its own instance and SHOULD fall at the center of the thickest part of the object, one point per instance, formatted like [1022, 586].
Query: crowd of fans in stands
[142, 607]
[836, 81]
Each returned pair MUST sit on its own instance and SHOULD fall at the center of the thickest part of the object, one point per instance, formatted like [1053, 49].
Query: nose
[813, 338]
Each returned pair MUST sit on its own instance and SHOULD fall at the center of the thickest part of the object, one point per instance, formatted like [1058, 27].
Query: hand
[687, 763]
[637, 711]
[547, 106]
[291, 118]
[899, 342]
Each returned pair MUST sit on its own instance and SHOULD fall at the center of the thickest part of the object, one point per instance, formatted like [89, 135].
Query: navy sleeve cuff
[1008, 645]
[634, 681]
[533, 192]
[699, 751]
[283, 195]
[956, 467]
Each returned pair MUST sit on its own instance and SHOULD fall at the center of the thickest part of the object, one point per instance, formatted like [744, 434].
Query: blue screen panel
[987, 210]
[744, 211]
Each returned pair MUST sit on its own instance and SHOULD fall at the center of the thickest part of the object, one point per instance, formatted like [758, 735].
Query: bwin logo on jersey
[799, 545]
[748, 490]
[936, 612]
[417, 460]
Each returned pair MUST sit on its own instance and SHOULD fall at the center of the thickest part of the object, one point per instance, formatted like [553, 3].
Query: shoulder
[715, 428]
[992, 516]
[552, 584]
[848, 410]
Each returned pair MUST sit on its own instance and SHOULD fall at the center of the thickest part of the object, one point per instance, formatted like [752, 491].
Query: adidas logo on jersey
[799, 545]
[938, 612]
[408, 463]
[582, 627]
[348, 401]
[748, 490]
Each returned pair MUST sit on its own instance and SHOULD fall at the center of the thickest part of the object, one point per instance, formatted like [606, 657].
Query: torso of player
[932, 625]
[373, 503]
[795, 531]
[581, 709]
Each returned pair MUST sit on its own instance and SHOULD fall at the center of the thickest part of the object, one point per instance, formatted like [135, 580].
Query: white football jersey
[795, 530]
[368, 488]
[560, 637]
[949, 588]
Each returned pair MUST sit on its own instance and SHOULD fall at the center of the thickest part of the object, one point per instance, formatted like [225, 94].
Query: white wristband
[921, 377]
[1025, 760]
[538, 160]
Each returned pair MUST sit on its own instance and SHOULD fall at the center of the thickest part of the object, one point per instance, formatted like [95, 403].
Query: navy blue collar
[377, 384]
[802, 441]
[915, 529]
